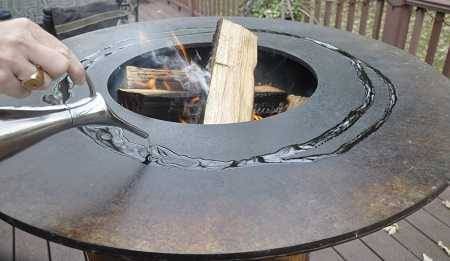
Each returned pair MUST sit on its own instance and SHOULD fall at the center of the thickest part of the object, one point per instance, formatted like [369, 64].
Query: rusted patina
[70, 190]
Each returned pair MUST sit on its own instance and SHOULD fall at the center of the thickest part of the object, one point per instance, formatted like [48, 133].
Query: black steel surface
[71, 190]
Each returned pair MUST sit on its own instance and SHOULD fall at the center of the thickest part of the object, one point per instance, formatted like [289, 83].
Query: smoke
[176, 56]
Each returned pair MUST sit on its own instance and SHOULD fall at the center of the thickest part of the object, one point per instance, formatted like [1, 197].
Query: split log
[259, 89]
[144, 81]
[268, 101]
[159, 79]
[163, 104]
[294, 101]
[232, 65]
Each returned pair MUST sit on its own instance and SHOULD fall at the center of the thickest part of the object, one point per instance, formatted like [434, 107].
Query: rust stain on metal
[390, 196]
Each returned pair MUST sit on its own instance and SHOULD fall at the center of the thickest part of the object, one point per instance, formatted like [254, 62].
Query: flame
[186, 116]
[151, 84]
[257, 117]
[182, 120]
[181, 49]
[195, 100]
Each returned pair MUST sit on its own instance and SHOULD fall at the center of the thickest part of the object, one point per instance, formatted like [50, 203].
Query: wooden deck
[418, 234]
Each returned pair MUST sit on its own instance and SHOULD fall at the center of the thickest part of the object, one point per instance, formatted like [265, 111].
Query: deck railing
[418, 26]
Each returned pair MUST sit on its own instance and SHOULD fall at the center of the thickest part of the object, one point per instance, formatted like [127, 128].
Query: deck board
[355, 250]
[5, 241]
[439, 211]
[445, 195]
[430, 226]
[63, 253]
[29, 247]
[417, 243]
[387, 247]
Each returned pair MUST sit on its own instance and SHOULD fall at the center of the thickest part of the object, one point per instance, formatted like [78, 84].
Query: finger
[24, 69]
[11, 86]
[51, 61]
[76, 69]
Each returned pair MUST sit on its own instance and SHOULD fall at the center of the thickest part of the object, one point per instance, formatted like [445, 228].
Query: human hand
[25, 45]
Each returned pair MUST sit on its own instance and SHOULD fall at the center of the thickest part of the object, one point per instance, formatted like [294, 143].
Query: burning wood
[268, 101]
[157, 79]
[170, 94]
[256, 117]
[177, 106]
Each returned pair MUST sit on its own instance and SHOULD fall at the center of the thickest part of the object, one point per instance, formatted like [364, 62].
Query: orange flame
[151, 84]
[185, 117]
[181, 49]
[257, 117]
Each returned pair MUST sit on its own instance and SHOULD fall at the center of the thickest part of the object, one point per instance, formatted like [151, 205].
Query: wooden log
[269, 101]
[177, 106]
[153, 92]
[144, 78]
[170, 105]
[231, 92]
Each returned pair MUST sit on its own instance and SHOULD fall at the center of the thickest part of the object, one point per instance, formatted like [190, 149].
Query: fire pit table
[370, 146]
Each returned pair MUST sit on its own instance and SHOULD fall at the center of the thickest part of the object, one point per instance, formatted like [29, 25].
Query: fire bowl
[369, 147]
[275, 70]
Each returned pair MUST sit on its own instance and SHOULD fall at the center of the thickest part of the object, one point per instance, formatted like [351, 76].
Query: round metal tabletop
[390, 161]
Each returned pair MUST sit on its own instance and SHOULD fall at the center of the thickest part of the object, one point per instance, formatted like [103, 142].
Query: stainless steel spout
[21, 127]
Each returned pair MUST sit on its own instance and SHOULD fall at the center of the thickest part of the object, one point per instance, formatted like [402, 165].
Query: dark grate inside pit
[171, 84]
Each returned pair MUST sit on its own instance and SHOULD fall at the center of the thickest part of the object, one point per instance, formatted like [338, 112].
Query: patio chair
[65, 22]
[65, 18]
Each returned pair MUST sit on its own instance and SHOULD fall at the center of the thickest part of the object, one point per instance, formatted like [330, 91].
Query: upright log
[232, 65]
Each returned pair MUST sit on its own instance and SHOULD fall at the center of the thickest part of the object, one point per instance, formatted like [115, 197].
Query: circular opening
[171, 83]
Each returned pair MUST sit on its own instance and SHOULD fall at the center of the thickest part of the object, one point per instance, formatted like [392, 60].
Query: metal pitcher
[21, 127]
